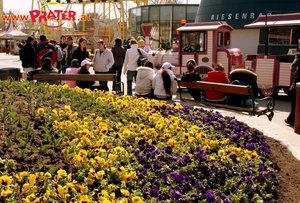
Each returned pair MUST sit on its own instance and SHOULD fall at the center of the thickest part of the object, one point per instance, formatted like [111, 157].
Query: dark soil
[29, 157]
[289, 183]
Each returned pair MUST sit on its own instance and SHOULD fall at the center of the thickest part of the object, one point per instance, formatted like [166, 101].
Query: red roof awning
[276, 20]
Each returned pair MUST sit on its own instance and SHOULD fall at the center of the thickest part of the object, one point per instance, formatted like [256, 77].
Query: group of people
[240, 76]
[65, 57]
[160, 84]
[68, 58]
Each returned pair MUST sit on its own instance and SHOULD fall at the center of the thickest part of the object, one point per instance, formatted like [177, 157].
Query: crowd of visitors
[67, 57]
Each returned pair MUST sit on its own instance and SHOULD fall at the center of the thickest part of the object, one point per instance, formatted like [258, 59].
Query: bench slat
[75, 77]
[228, 88]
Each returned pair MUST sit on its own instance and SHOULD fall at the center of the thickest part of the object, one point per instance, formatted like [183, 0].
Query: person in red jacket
[44, 49]
[218, 76]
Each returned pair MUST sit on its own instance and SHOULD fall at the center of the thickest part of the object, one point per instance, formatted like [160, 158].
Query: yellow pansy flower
[221, 153]
[113, 169]
[32, 179]
[125, 192]
[5, 193]
[26, 187]
[61, 190]
[112, 187]
[84, 199]
[112, 157]
[137, 199]
[41, 111]
[61, 173]
[99, 175]
[206, 148]
[5, 181]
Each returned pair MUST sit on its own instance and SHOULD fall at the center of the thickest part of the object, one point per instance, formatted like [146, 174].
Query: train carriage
[274, 70]
[210, 42]
[206, 43]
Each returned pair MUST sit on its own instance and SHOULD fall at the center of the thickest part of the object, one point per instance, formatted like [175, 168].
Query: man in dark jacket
[118, 52]
[63, 45]
[44, 49]
[27, 55]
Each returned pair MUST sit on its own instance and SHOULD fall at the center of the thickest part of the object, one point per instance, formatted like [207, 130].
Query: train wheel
[270, 92]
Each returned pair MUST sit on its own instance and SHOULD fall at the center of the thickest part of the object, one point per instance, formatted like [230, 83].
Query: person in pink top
[219, 76]
[72, 70]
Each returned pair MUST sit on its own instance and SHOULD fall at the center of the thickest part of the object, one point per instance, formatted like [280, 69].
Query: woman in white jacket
[164, 82]
[144, 78]
[130, 63]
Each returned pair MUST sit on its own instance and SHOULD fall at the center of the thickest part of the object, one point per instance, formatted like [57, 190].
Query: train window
[193, 41]
[227, 38]
[286, 35]
[220, 39]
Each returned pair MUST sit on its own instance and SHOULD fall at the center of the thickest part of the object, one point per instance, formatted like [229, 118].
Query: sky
[24, 6]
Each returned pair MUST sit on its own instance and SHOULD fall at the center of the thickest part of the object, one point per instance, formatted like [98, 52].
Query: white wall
[246, 40]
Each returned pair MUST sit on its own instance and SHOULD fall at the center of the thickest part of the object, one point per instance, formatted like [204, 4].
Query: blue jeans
[130, 76]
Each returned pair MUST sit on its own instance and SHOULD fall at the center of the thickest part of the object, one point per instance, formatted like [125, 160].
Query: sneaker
[287, 122]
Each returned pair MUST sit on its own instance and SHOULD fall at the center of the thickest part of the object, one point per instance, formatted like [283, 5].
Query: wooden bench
[234, 89]
[78, 77]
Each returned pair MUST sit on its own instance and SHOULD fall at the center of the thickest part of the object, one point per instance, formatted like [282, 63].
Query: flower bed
[98, 147]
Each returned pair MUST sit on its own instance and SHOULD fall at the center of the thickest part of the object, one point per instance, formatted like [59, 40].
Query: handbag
[141, 60]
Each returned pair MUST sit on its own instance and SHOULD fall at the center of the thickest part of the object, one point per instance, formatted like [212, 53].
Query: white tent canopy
[12, 32]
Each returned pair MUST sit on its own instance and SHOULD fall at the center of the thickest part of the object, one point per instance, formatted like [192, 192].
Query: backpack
[141, 60]
[59, 53]
[236, 99]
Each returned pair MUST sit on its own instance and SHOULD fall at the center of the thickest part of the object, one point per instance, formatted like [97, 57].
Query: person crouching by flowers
[84, 69]
[144, 78]
[219, 76]
[164, 82]
[190, 75]
[73, 69]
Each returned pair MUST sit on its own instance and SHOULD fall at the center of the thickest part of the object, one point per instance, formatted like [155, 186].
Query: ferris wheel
[107, 19]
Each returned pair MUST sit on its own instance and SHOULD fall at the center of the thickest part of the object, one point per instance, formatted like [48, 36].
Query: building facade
[238, 13]
[165, 20]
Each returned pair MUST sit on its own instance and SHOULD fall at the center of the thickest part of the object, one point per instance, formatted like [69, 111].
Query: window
[165, 27]
[223, 39]
[285, 36]
[145, 17]
[132, 21]
[193, 41]
[227, 38]
[179, 12]
[191, 12]
[220, 39]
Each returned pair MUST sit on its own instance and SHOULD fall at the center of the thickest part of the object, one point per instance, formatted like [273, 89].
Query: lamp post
[147, 27]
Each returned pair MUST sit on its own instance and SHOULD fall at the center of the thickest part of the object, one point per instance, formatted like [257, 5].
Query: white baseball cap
[167, 65]
[84, 62]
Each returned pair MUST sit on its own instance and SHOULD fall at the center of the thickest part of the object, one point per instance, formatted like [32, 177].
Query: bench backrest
[220, 87]
[75, 77]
